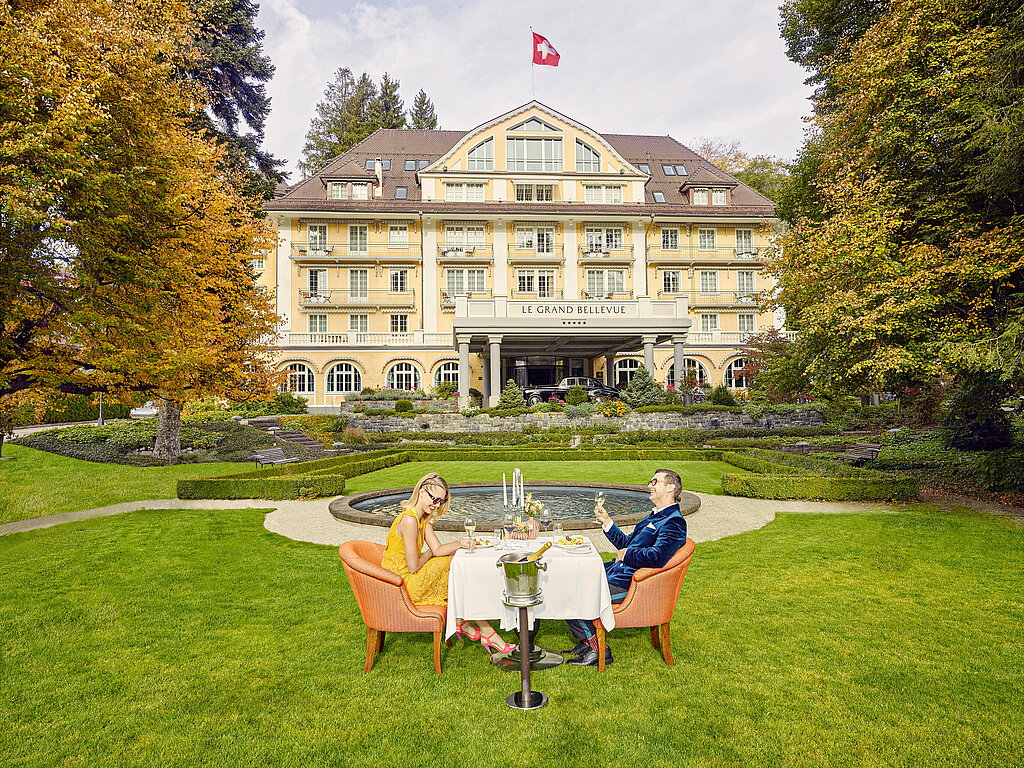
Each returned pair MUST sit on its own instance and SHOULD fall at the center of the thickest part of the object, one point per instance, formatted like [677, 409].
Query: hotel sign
[595, 309]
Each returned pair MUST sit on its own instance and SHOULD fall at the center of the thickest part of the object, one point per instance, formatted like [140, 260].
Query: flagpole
[533, 70]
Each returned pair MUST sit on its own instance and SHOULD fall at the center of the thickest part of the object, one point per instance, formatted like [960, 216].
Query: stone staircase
[273, 426]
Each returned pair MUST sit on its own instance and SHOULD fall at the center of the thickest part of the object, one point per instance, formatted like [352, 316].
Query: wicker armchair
[384, 601]
[650, 602]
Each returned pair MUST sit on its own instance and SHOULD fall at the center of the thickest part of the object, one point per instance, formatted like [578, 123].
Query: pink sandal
[489, 642]
[463, 633]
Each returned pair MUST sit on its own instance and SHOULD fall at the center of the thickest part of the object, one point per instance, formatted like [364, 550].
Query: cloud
[682, 68]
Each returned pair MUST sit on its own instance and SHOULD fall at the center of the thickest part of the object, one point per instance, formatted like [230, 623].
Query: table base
[537, 700]
[540, 658]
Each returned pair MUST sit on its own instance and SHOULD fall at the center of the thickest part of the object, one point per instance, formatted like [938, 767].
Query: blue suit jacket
[653, 542]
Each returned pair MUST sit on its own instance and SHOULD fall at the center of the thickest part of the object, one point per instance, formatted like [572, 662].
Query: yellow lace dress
[429, 585]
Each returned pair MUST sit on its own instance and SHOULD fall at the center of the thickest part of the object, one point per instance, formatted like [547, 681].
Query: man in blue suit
[651, 544]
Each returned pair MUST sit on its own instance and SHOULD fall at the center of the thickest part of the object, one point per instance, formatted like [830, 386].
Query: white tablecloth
[573, 587]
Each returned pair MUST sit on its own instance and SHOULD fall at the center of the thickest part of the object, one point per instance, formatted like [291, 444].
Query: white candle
[504, 490]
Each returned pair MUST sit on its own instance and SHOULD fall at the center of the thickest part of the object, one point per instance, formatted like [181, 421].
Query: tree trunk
[168, 430]
[1, 442]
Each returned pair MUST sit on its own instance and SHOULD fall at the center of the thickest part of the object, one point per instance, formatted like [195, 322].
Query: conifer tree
[422, 115]
[388, 110]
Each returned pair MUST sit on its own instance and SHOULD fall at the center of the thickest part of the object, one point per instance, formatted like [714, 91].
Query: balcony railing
[344, 297]
[550, 253]
[729, 338]
[335, 251]
[360, 338]
[448, 297]
[540, 295]
[605, 253]
[657, 255]
[446, 251]
[608, 296]
[716, 298]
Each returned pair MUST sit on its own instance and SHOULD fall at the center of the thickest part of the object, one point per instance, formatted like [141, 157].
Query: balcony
[362, 339]
[688, 254]
[551, 295]
[719, 338]
[465, 254]
[749, 299]
[608, 296]
[554, 254]
[339, 252]
[448, 297]
[344, 297]
[590, 254]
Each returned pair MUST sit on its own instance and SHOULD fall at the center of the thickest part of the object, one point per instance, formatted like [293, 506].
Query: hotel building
[529, 248]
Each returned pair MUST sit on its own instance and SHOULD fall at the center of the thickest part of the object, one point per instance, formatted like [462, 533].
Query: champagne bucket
[521, 579]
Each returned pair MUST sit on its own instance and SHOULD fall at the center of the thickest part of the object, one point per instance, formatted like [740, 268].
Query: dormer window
[371, 163]
[481, 157]
[602, 194]
[529, 193]
[464, 193]
[700, 196]
[533, 154]
[718, 196]
[339, 190]
[360, 191]
[587, 159]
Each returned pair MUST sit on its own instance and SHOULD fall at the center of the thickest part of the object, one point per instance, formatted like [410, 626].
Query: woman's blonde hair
[430, 480]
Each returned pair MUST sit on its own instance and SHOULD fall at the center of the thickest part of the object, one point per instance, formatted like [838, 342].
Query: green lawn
[37, 483]
[700, 476]
[181, 638]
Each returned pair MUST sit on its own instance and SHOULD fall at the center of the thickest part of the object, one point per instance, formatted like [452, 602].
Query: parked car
[595, 390]
[147, 411]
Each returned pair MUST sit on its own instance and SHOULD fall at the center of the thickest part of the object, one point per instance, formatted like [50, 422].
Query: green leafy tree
[422, 115]
[388, 109]
[642, 389]
[973, 417]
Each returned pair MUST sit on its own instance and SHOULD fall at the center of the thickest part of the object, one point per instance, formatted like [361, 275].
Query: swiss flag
[543, 51]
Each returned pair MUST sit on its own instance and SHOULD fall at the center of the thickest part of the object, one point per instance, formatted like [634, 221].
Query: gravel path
[718, 517]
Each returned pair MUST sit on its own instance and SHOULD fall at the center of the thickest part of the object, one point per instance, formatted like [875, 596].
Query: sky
[686, 68]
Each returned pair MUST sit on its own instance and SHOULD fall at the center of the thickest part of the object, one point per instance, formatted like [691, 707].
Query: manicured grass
[179, 638]
[38, 483]
[700, 476]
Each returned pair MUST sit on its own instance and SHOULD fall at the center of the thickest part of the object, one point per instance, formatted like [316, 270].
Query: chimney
[378, 167]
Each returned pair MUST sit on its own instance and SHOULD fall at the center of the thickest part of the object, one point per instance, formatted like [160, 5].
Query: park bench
[858, 453]
[271, 456]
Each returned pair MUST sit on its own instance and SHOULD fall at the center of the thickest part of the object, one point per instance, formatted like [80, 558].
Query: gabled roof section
[706, 177]
[476, 135]
[349, 169]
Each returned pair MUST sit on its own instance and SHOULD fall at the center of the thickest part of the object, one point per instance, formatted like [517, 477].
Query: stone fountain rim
[342, 508]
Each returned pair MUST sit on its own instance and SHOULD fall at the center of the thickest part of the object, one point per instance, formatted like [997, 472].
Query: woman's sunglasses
[434, 498]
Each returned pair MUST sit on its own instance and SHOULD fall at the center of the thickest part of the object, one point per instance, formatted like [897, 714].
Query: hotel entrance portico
[560, 337]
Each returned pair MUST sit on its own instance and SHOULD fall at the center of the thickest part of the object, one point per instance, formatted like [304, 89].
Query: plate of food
[572, 542]
[481, 542]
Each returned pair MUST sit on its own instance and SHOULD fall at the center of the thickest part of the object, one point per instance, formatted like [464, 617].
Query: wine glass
[470, 525]
[509, 526]
[558, 530]
[599, 498]
[545, 519]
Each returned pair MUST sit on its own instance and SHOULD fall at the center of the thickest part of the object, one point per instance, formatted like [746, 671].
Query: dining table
[573, 586]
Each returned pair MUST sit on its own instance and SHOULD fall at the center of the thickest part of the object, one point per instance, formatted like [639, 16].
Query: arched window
[447, 372]
[299, 379]
[694, 370]
[403, 376]
[481, 157]
[343, 378]
[588, 160]
[733, 378]
[624, 370]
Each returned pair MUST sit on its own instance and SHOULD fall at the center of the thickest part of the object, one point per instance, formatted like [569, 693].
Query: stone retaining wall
[456, 422]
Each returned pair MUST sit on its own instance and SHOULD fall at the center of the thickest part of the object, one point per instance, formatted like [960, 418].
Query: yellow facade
[531, 206]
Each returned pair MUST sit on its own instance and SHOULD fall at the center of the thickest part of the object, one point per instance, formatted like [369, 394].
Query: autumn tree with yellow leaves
[124, 245]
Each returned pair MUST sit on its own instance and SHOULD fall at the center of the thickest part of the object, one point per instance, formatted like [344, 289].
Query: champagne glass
[558, 531]
[470, 524]
[599, 498]
[545, 519]
[509, 526]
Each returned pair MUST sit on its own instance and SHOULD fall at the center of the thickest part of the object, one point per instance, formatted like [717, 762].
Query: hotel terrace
[529, 248]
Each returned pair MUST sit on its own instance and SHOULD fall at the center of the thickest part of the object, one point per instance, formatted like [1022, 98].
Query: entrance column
[677, 357]
[462, 340]
[648, 342]
[609, 370]
[494, 390]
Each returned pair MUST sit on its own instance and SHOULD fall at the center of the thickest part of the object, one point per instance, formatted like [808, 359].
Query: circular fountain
[572, 504]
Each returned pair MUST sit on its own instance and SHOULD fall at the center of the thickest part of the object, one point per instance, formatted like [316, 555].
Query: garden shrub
[973, 417]
[403, 406]
[825, 488]
[642, 389]
[721, 395]
[511, 397]
[446, 390]
[612, 408]
[576, 396]
[576, 411]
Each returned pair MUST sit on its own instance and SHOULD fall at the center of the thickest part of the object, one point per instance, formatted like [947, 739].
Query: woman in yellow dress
[426, 573]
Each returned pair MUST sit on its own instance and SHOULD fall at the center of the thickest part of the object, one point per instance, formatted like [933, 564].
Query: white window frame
[538, 281]
[700, 195]
[360, 191]
[707, 239]
[625, 369]
[600, 282]
[398, 281]
[358, 284]
[464, 192]
[462, 236]
[709, 282]
[359, 323]
[398, 323]
[481, 157]
[358, 239]
[339, 190]
[346, 373]
[718, 196]
[602, 194]
[258, 265]
[316, 282]
[730, 379]
[744, 241]
[459, 281]
[671, 281]
[398, 235]
[746, 282]
[447, 372]
[746, 322]
[535, 193]
[669, 239]
[402, 373]
[297, 377]
[709, 322]
[540, 155]
[603, 239]
[316, 323]
[316, 243]
[588, 159]
[689, 364]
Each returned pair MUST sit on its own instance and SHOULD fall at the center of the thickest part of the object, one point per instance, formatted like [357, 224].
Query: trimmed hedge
[815, 487]
[323, 477]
